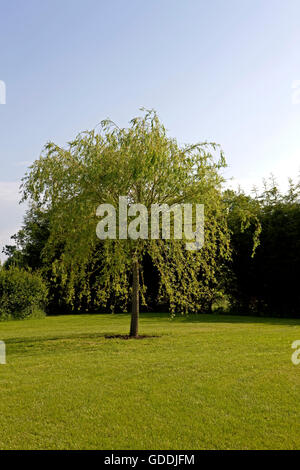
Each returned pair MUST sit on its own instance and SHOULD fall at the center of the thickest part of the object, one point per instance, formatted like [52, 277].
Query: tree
[23, 293]
[29, 241]
[267, 283]
[147, 167]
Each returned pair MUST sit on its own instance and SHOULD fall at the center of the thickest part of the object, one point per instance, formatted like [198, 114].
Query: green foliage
[268, 283]
[22, 294]
[30, 241]
[143, 163]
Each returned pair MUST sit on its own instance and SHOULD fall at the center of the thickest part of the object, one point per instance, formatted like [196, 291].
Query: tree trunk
[134, 327]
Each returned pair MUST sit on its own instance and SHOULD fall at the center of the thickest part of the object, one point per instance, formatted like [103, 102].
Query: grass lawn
[208, 382]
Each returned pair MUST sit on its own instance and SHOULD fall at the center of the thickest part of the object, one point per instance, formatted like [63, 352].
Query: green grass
[208, 382]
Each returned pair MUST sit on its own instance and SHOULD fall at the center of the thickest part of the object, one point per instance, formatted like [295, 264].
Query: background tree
[23, 294]
[267, 283]
[145, 165]
[29, 241]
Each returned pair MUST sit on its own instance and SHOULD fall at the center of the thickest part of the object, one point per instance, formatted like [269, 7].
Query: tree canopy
[148, 167]
[249, 261]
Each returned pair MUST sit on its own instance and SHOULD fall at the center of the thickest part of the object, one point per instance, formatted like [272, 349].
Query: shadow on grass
[195, 318]
[71, 337]
[204, 318]
[222, 318]
[44, 339]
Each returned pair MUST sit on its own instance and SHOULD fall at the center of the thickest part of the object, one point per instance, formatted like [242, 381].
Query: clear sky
[219, 70]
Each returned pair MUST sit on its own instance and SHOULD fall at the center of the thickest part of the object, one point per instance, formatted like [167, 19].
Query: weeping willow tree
[145, 165]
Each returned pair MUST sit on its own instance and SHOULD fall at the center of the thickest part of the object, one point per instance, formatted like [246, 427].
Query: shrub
[23, 294]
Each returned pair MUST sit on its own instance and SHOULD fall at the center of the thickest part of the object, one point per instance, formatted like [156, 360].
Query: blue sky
[219, 70]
